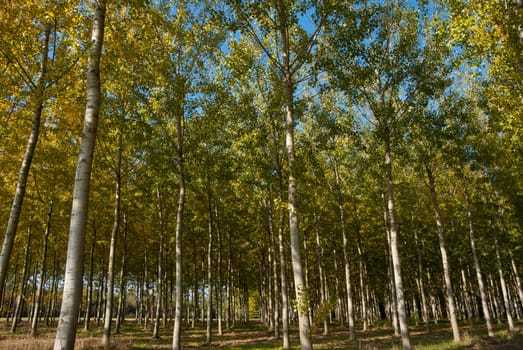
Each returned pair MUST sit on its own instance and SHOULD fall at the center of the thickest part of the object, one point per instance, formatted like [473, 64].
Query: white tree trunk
[73, 280]
[41, 281]
[402, 312]
[479, 275]
[178, 237]
[108, 315]
[451, 303]
[348, 284]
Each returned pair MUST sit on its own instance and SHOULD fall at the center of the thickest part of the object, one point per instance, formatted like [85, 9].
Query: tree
[279, 20]
[66, 330]
[38, 98]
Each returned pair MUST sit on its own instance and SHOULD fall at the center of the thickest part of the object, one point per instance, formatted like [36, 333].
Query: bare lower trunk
[72, 290]
[348, 284]
[121, 297]
[444, 258]
[87, 318]
[178, 238]
[323, 296]
[517, 277]
[402, 312]
[479, 275]
[424, 307]
[159, 291]
[21, 294]
[208, 334]
[106, 336]
[504, 289]
[40, 290]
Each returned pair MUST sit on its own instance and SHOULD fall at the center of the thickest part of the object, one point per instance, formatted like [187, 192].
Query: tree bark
[87, 318]
[21, 294]
[40, 290]
[208, 333]
[348, 284]
[444, 258]
[424, 307]
[106, 336]
[479, 275]
[120, 314]
[292, 199]
[323, 296]
[504, 289]
[402, 312]
[159, 290]
[178, 234]
[72, 292]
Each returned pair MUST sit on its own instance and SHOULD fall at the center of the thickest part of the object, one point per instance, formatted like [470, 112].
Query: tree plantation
[315, 174]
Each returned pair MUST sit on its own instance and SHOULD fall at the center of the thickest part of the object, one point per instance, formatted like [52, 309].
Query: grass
[255, 336]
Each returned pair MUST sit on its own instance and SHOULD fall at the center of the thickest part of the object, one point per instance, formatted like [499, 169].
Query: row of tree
[316, 162]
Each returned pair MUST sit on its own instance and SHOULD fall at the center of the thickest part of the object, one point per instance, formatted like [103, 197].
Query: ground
[256, 336]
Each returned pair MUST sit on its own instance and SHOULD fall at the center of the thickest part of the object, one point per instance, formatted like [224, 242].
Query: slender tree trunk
[229, 280]
[21, 295]
[195, 286]
[479, 275]
[159, 291]
[348, 284]
[72, 291]
[362, 273]
[281, 247]
[297, 266]
[34, 325]
[323, 297]
[444, 258]
[276, 317]
[87, 319]
[219, 270]
[504, 289]
[49, 313]
[120, 314]
[402, 312]
[515, 271]
[106, 336]
[38, 98]
[424, 308]
[208, 334]
[178, 235]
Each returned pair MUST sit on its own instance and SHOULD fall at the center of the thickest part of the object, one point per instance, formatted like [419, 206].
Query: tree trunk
[208, 334]
[479, 275]
[72, 291]
[120, 314]
[178, 234]
[364, 300]
[272, 242]
[424, 307]
[297, 266]
[159, 290]
[348, 284]
[402, 312]
[444, 258]
[515, 271]
[281, 248]
[106, 336]
[39, 292]
[323, 296]
[504, 289]
[87, 319]
[21, 295]
[38, 91]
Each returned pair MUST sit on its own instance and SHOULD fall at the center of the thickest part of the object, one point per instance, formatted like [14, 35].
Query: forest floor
[256, 336]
